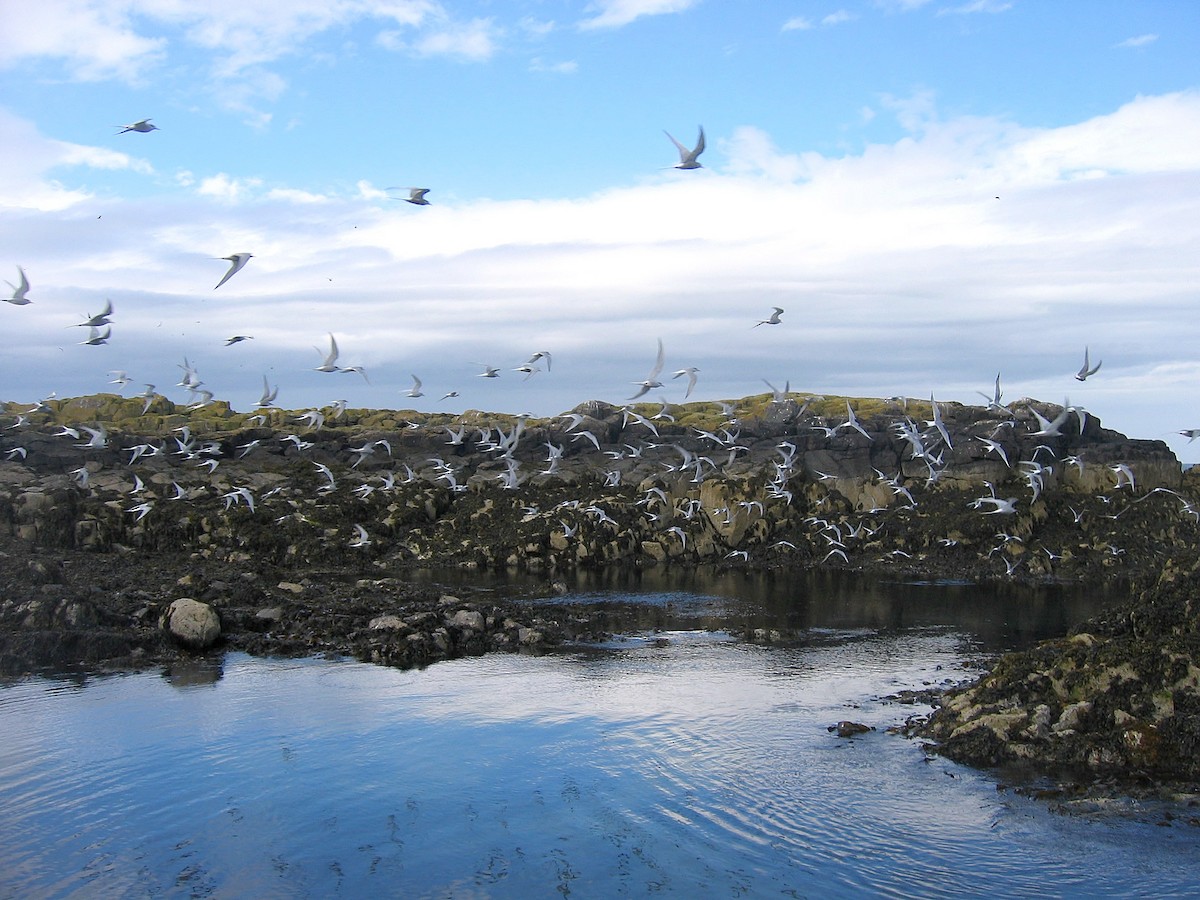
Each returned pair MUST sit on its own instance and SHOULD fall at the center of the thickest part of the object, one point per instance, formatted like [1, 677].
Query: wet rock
[194, 624]
[846, 728]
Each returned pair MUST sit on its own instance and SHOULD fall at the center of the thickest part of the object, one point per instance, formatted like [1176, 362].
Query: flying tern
[416, 195]
[773, 319]
[691, 373]
[142, 126]
[330, 362]
[1087, 369]
[101, 318]
[236, 262]
[20, 291]
[687, 158]
[96, 336]
[651, 379]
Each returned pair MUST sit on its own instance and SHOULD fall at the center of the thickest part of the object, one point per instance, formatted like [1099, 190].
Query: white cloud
[977, 6]
[616, 13]
[566, 67]
[31, 159]
[838, 18]
[473, 41]
[97, 41]
[797, 23]
[900, 270]
[226, 188]
[1141, 40]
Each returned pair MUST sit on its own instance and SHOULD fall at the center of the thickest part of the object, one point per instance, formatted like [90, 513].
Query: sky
[933, 192]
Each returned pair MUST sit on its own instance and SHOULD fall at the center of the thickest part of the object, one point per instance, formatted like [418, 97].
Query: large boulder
[194, 624]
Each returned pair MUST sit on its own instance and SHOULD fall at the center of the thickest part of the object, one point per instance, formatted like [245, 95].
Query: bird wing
[658, 364]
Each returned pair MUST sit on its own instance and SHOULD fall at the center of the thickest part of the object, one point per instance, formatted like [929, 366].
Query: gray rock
[468, 618]
[192, 623]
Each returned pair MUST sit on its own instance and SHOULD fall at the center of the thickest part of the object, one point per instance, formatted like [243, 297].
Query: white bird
[330, 362]
[99, 437]
[119, 377]
[1002, 507]
[142, 126]
[236, 262]
[1048, 428]
[687, 158]
[852, 422]
[488, 371]
[415, 390]
[651, 379]
[773, 319]
[20, 291]
[691, 373]
[96, 336]
[101, 318]
[1087, 369]
[361, 538]
[778, 396]
[539, 354]
[416, 195]
[993, 401]
[268, 395]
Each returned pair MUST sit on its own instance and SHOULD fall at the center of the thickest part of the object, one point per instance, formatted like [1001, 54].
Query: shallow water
[683, 763]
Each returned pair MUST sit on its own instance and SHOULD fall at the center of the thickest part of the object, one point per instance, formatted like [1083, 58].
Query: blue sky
[933, 191]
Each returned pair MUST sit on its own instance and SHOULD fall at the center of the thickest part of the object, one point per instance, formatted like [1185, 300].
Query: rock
[194, 624]
[468, 618]
[386, 623]
[846, 728]
[1072, 717]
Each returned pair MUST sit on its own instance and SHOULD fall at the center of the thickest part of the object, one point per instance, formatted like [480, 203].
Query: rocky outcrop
[794, 482]
[1117, 698]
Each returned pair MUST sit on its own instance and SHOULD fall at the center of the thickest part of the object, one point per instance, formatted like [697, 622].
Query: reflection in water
[194, 672]
[675, 761]
[1000, 616]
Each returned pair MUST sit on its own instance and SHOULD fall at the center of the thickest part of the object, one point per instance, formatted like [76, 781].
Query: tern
[142, 126]
[691, 373]
[687, 158]
[415, 390]
[96, 336]
[101, 318]
[238, 338]
[773, 319]
[236, 262]
[539, 354]
[993, 400]
[330, 362]
[416, 196]
[20, 291]
[1087, 369]
[651, 379]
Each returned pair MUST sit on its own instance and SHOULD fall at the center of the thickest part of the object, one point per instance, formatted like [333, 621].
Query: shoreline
[303, 542]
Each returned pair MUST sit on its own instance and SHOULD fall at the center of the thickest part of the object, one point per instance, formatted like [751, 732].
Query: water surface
[684, 763]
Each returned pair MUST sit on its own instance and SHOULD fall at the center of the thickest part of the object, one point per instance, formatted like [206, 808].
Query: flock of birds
[100, 325]
[928, 444]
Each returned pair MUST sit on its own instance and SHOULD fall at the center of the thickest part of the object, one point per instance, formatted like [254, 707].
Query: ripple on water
[689, 764]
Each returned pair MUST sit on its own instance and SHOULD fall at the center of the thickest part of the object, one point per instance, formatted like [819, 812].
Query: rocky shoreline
[130, 539]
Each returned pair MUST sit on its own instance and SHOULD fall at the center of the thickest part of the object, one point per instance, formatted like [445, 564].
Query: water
[683, 763]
